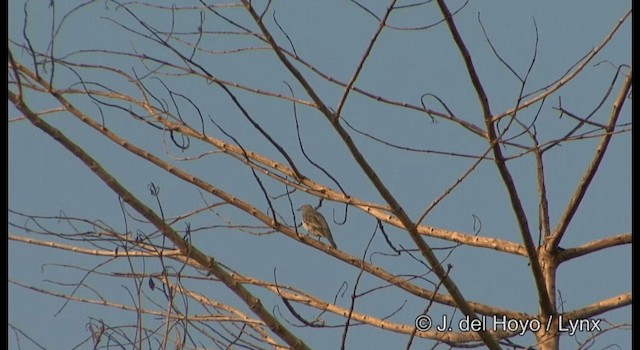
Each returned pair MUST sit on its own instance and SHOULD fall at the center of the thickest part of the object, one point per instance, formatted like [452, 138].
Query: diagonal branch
[499, 160]
[572, 73]
[193, 253]
[396, 208]
[591, 170]
[599, 307]
[357, 262]
[594, 246]
[278, 171]
[367, 52]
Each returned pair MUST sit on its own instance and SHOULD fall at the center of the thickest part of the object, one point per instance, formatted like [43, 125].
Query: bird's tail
[332, 242]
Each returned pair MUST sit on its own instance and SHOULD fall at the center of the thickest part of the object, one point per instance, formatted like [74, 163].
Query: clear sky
[45, 179]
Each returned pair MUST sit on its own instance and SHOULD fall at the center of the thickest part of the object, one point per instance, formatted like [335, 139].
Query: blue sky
[45, 179]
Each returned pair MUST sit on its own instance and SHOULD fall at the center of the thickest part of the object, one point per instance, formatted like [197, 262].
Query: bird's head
[305, 207]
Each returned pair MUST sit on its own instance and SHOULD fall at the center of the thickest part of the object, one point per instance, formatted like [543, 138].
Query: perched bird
[315, 224]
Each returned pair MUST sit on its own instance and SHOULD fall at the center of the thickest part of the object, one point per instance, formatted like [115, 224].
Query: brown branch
[365, 56]
[372, 209]
[103, 302]
[307, 184]
[256, 325]
[193, 253]
[246, 207]
[594, 246]
[592, 168]
[569, 75]
[397, 209]
[600, 307]
[96, 252]
[452, 186]
[492, 138]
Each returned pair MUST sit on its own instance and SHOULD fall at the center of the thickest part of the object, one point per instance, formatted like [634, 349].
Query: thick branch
[600, 307]
[594, 246]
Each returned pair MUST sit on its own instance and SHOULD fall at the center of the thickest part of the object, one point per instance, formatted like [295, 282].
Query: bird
[315, 224]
